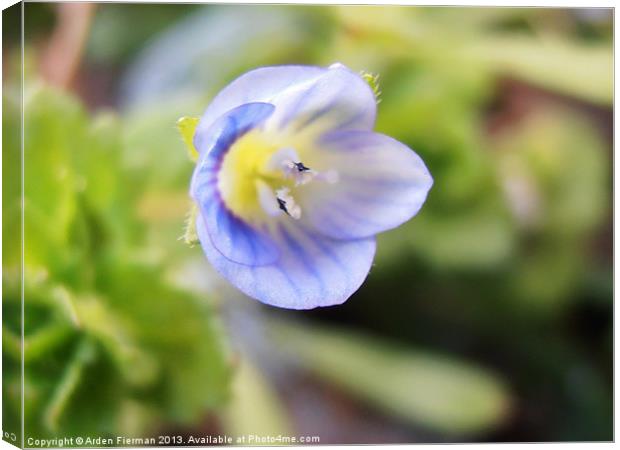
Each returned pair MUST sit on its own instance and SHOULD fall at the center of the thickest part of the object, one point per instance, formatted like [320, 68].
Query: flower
[292, 184]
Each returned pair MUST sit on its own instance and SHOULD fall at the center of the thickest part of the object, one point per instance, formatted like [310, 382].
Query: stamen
[287, 203]
[282, 205]
[287, 160]
[282, 158]
[300, 167]
[287, 163]
[298, 171]
[266, 197]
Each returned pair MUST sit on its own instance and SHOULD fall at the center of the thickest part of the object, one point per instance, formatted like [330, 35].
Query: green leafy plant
[110, 345]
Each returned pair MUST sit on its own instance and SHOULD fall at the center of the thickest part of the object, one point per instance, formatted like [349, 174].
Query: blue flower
[292, 184]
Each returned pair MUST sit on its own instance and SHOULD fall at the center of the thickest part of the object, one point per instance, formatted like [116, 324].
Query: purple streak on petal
[223, 132]
[321, 244]
[298, 251]
[312, 270]
[233, 237]
[343, 213]
[318, 114]
[259, 85]
[351, 121]
[370, 198]
[382, 183]
[298, 92]
[340, 97]
[374, 182]
[299, 100]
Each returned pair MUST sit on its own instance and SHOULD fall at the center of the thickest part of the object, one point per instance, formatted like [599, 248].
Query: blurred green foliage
[426, 389]
[255, 407]
[110, 346]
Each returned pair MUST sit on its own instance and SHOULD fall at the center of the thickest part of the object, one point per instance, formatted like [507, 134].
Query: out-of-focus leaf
[431, 107]
[193, 358]
[135, 364]
[439, 392]
[101, 188]
[573, 69]
[49, 204]
[68, 383]
[564, 161]
[254, 407]
[11, 179]
[181, 60]
[158, 157]
[553, 167]
[545, 276]
[154, 350]
[480, 238]
[119, 31]
[563, 65]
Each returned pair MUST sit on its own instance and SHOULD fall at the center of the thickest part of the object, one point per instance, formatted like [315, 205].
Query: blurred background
[488, 317]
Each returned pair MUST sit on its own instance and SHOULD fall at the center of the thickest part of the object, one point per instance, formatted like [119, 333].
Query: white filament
[287, 161]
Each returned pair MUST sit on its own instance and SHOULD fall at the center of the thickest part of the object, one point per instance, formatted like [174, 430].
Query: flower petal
[305, 95]
[312, 270]
[233, 238]
[338, 100]
[381, 184]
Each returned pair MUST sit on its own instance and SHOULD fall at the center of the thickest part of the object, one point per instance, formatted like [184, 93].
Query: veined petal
[292, 184]
[311, 271]
[339, 99]
[258, 85]
[334, 97]
[382, 183]
[232, 237]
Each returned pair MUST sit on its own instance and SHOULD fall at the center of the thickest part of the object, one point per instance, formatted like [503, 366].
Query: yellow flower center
[244, 164]
[260, 172]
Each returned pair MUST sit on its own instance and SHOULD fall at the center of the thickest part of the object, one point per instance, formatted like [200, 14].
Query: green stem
[68, 384]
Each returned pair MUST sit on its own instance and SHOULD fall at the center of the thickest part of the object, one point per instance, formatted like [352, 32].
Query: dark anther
[300, 167]
[282, 205]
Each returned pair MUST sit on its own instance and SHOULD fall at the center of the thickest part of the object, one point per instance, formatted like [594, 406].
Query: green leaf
[114, 333]
[585, 71]
[254, 407]
[562, 161]
[158, 158]
[54, 130]
[157, 351]
[84, 354]
[474, 238]
[436, 391]
[180, 331]
[11, 180]
[477, 239]
[558, 164]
